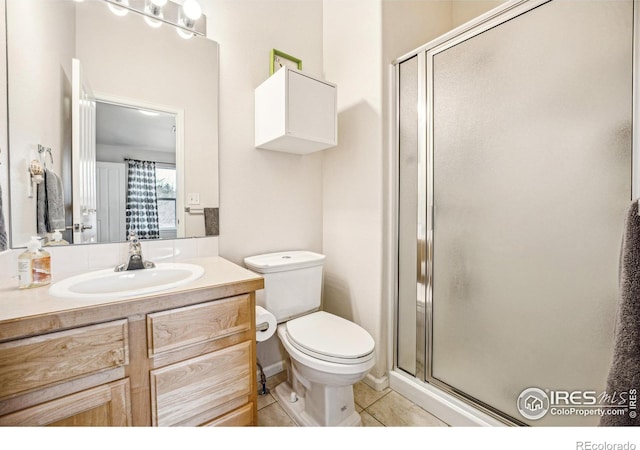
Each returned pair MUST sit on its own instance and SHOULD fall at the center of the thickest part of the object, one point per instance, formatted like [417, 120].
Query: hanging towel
[50, 204]
[41, 208]
[3, 230]
[624, 374]
[55, 201]
[211, 222]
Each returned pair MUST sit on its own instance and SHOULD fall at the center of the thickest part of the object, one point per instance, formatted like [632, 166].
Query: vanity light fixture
[153, 8]
[187, 17]
[189, 13]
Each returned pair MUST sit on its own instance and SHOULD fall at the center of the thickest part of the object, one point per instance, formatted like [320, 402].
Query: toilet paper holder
[262, 326]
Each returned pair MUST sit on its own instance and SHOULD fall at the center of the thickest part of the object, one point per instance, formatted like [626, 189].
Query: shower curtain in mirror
[142, 204]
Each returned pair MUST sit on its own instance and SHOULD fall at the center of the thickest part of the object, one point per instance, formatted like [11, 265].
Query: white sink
[108, 284]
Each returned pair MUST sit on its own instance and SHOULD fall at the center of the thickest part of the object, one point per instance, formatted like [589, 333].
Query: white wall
[466, 10]
[41, 79]
[269, 201]
[353, 171]
[361, 40]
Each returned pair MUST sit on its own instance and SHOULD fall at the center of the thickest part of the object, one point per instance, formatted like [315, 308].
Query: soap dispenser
[34, 266]
[56, 239]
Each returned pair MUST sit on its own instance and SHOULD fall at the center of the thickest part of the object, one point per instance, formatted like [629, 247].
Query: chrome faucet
[134, 258]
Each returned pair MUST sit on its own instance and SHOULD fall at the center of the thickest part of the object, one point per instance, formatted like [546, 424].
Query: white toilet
[327, 354]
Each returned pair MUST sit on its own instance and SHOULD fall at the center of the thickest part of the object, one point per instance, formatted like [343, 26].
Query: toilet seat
[328, 337]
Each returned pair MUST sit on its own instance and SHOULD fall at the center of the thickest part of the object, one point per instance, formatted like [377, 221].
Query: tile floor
[377, 409]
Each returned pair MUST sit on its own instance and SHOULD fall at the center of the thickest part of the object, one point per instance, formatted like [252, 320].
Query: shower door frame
[425, 187]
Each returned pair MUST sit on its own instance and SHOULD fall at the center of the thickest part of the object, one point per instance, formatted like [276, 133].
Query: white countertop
[17, 303]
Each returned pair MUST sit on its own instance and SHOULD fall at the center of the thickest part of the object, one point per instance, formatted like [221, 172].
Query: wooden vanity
[181, 357]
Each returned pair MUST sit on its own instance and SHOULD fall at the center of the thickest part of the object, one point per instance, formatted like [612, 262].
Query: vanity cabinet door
[200, 387]
[41, 361]
[203, 364]
[102, 406]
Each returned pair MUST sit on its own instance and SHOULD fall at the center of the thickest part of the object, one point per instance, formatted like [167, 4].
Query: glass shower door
[531, 148]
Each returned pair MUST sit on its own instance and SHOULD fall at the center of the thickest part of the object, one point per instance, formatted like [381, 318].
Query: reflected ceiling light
[149, 113]
[118, 10]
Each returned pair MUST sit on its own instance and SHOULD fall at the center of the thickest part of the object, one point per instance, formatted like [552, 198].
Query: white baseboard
[272, 369]
[379, 384]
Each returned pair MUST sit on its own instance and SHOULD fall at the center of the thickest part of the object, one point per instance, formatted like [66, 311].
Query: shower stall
[514, 138]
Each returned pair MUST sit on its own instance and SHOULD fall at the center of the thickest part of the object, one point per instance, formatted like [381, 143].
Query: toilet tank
[292, 282]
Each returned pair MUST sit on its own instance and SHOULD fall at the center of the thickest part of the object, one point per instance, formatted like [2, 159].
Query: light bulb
[154, 8]
[184, 34]
[118, 10]
[192, 9]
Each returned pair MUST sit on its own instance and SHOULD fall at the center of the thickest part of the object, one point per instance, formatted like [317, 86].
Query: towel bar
[192, 210]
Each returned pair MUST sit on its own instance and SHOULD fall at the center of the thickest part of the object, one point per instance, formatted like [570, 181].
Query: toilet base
[296, 409]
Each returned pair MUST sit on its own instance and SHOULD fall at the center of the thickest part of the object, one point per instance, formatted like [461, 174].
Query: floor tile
[274, 416]
[369, 421]
[265, 400]
[365, 396]
[394, 410]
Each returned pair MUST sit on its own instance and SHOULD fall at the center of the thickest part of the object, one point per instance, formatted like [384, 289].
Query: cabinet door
[311, 112]
[199, 386]
[102, 406]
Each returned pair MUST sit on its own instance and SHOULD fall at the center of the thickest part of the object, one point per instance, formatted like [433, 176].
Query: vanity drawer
[241, 417]
[39, 361]
[175, 328]
[200, 385]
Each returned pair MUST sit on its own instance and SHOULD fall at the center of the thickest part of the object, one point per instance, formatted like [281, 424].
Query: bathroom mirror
[85, 75]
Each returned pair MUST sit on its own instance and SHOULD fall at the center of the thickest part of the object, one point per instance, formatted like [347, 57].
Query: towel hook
[42, 149]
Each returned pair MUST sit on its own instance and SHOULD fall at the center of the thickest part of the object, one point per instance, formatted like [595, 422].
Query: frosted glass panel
[532, 177]
[408, 210]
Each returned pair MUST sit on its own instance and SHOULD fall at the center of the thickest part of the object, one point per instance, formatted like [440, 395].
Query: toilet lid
[329, 335]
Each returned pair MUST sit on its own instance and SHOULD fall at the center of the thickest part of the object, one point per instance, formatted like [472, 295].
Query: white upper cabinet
[295, 113]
